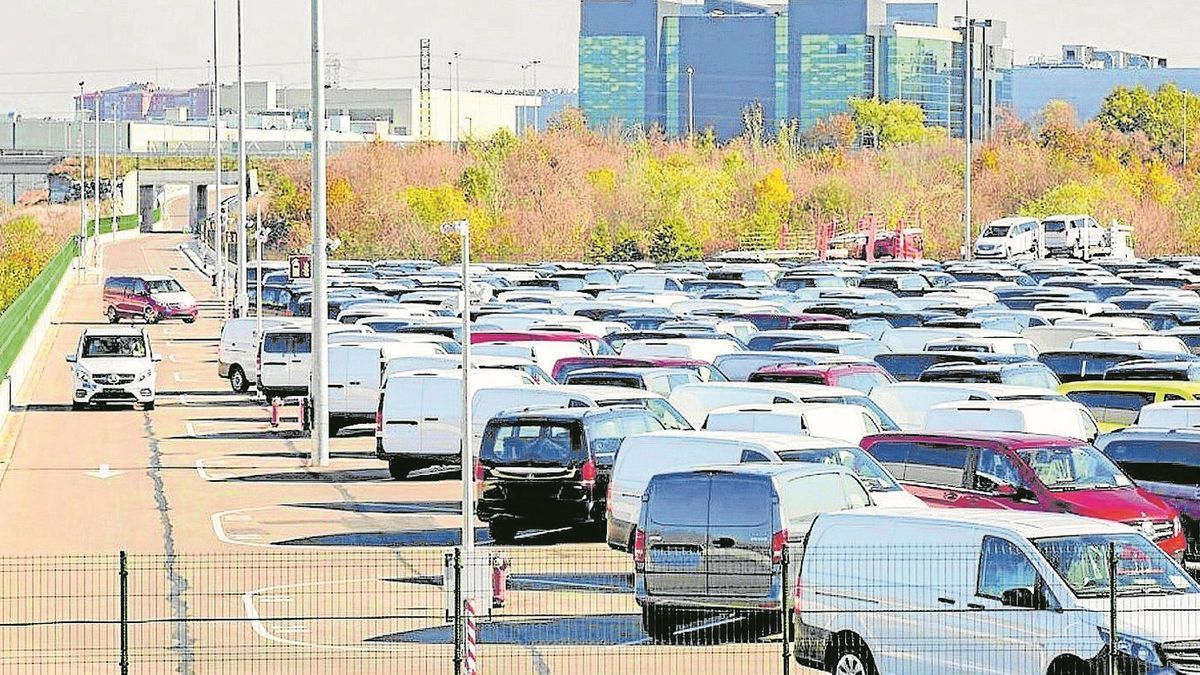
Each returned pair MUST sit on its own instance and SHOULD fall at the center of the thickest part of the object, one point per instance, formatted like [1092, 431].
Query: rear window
[804, 496]
[681, 500]
[532, 445]
[1054, 225]
[287, 343]
[740, 501]
[1113, 407]
[1174, 462]
[606, 433]
[1042, 378]
[606, 381]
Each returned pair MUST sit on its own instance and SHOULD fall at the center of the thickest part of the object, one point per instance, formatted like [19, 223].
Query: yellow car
[1116, 403]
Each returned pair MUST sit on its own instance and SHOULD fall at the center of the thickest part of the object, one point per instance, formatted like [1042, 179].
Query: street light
[242, 301]
[218, 223]
[320, 294]
[463, 229]
[82, 191]
[691, 107]
[967, 28]
[537, 109]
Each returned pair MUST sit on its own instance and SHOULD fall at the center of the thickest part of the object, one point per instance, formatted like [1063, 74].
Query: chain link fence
[583, 609]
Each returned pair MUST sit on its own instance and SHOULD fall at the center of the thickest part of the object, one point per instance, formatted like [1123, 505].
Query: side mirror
[156, 358]
[1024, 598]
[71, 358]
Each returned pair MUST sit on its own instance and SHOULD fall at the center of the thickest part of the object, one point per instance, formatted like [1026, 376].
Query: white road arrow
[104, 472]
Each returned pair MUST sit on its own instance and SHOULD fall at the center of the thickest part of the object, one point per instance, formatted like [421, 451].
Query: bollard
[275, 412]
[306, 421]
[499, 580]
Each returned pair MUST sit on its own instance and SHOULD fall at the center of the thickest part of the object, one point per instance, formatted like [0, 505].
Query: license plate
[676, 558]
[114, 390]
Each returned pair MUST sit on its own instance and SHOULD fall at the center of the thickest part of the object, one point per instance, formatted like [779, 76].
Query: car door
[339, 360]
[741, 521]
[441, 412]
[402, 402]
[299, 361]
[1002, 638]
[989, 470]
[936, 473]
[362, 380]
[676, 531]
[275, 357]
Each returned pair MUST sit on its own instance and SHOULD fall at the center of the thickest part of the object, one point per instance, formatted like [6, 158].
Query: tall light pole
[242, 301]
[537, 109]
[260, 236]
[457, 99]
[82, 192]
[113, 191]
[218, 221]
[968, 32]
[320, 297]
[691, 107]
[524, 92]
[466, 449]
[96, 185]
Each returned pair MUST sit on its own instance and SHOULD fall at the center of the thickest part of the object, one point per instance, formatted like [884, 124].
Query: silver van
[711, 541]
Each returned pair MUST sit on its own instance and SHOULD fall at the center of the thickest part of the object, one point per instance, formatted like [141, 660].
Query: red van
[150, 298]
[1024, 472]
[860, 376]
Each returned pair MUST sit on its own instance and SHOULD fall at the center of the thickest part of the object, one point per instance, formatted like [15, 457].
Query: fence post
[787, 619]
[124, 574]
[458, 612]
[1112, 607]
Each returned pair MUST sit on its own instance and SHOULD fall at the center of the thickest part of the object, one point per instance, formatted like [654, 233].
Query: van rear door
[740, 525]
[676, 531]
[402, 402]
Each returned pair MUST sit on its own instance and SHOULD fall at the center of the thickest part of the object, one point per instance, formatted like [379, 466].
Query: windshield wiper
[1150, 590]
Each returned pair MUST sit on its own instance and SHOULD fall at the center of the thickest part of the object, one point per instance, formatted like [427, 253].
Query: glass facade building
[612, 79]
[833, 69]
[928, 71]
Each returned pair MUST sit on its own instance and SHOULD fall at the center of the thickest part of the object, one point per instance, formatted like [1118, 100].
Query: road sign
[300, 267]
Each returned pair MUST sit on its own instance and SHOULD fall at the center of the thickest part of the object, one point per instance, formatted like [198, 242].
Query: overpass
[198, 183]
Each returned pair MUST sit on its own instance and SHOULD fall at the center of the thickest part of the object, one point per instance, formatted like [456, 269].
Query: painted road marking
[104, 472]
[260, 628]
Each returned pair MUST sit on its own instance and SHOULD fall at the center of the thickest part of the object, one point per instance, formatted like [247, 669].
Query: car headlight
[1141, 649]
[145, 375]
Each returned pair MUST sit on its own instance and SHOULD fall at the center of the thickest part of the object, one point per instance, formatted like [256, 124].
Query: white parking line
[291, 629]
[191, 431]
[275, 598]
[257, 625]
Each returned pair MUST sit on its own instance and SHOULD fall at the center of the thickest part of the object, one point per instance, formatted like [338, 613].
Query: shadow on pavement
[451, 508]
[605, 629]
[439, 537]
[346, 476]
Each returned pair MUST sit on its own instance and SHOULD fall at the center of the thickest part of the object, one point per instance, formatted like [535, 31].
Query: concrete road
[244, 559]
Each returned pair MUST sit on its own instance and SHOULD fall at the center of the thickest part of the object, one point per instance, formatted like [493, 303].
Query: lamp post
[242, 301]
[524, 92]
[463, 229]
[113, 191]
[450, 103]
[537, 109]
[320, 297]
[82, 192]
[96, 184]
[691, 107]
[218, 221]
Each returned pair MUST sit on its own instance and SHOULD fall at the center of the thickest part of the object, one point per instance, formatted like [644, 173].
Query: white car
[113, 365]
[1008, 237]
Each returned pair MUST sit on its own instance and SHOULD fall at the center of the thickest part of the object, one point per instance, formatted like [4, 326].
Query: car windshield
[996, 231]
[869, 471]
[164, 286]
[114, 345]
[1142, 568]
[531, 445]
[667, 414]
[1054, 225]
[1076, 467]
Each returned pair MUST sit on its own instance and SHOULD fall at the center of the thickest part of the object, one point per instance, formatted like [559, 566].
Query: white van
[237, 353]
[544, 353]
[697, 400]
[908, 402]
[451, 361]
[1060, 336]
[914, 338]
[356, 373]
[1170, 415]
[285, 357]
[1056, 418]
[419, 423]
[703, 349]
[1132, 343]
[831, 420]
[1008, 237]
[991, 344]
[643, 456]
[988, 591]
[655, 281]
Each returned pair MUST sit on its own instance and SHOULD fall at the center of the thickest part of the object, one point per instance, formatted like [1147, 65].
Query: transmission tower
[426, 114]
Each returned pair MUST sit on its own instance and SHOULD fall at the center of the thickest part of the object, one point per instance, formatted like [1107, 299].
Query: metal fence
[575, 609]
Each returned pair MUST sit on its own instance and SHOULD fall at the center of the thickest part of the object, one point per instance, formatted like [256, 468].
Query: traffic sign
[300, 267]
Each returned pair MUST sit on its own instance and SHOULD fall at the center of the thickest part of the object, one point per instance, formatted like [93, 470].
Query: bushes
[27, 243]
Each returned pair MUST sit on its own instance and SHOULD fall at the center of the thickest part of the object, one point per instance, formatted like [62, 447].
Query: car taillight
[478, 472]
[639, 546]
[778, 541]
[587, 472]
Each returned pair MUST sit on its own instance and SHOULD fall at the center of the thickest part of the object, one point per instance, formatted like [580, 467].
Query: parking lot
[251, 556]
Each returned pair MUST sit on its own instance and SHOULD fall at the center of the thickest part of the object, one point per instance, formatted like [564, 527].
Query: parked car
[113, 365]
[858, 376]
[1055, 418]
[551, 468]
[695, 401]
[1023, 373]
[1172, 415]
[1078, 236]
[147, 297]
[939, 591]
[712, 541]
[1008, 237]
[831, 420]
[1116, 403]
[284, 362]
[658, 380]
[1166, 462]
[237, 351]
[703, 369]
[908, 366]
[356, 375]
[1023, 472]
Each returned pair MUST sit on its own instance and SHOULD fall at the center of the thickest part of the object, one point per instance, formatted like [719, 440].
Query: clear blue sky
[49, 45]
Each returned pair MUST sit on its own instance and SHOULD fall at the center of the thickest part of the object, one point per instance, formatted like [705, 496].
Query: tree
[888, 122]
[674, 241]
[772, 204]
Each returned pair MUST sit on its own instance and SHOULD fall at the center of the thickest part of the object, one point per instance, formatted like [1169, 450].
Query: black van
[551, 467]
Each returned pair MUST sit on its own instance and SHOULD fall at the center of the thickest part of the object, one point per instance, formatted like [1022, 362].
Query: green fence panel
[17, 322]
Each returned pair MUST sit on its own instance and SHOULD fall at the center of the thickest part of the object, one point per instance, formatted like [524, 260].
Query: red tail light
[778, 541]
[379, 419]
[639, 546]
[478, 472]
[587, 472]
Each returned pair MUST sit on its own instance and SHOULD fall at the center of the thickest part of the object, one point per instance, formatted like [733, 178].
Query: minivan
[642, 457]
[976, 591]
[695, 401]
[1023, 472]
[711, 541]
[832, 420]
[908, 402]
[237, 352]
[1024, 374]
[1007, 237]
[284, 361]
[1056, 418]
[356, 373]
[146, 297]
[550, 467]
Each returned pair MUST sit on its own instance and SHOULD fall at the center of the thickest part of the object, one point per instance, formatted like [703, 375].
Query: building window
[843, 48]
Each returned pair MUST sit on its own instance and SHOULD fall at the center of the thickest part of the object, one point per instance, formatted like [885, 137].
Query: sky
[48, 46]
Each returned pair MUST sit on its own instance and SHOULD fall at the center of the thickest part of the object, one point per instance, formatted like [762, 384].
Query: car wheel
[399, 469]
[657, 624]
[502, 531]
[1067, 665]
[190, 319]
[78, 405]
[334, 427]
[149, 405]
[237, 380]
[150, 315]
[113, 317]
[851, 658]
